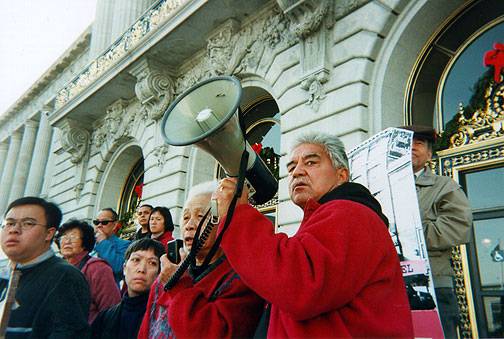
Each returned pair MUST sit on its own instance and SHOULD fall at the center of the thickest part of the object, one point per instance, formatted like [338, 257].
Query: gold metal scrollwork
[460, 290]
[484, 124]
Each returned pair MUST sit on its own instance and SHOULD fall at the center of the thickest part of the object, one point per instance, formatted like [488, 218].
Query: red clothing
[339, 276]
[215, 305]
[102, 285]
[164, 238]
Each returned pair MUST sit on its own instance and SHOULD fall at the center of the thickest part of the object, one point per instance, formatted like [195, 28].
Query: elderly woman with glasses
[75, 240]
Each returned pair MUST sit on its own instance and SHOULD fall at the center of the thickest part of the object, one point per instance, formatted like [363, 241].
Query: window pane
[462, 83]
[494, 316]
[484, 188]
[489, 241]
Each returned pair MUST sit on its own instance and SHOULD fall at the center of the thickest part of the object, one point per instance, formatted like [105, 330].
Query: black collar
[357, 193]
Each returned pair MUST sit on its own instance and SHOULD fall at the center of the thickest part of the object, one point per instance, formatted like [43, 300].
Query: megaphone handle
[231, 208]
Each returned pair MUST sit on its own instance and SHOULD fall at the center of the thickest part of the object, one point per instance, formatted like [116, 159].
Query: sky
[33, 35]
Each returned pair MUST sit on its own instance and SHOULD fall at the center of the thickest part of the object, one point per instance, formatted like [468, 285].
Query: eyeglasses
[71, 238]
[103, 222]
[25, 224]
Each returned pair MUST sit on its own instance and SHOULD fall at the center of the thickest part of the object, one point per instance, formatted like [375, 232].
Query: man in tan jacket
[446, 219]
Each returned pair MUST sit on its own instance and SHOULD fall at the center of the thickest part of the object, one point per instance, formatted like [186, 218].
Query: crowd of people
[338, 276]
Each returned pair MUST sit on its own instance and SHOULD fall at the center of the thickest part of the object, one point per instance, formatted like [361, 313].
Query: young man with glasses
[52, 297]
[108, 246]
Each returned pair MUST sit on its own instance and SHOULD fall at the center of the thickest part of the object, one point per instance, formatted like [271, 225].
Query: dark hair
[165, 212]
[87, 232]
[144, 205]
[52, 211]
[145, 244]
[115, 216]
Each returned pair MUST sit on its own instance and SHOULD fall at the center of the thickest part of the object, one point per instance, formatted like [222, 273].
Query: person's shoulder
[344, 206]
[445, 181]
[60, 265]
[96, 264]
[122, 241]
[108, 313]
[60, 270]
[351, 215]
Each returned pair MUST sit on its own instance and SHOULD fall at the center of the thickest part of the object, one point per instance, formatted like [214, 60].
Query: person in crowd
[108, 245]
[446, 220]
[76, 240]
[207, 302]
[143, 213]
[161, 225]
[339, 275]
[52, 297]
[141, 268]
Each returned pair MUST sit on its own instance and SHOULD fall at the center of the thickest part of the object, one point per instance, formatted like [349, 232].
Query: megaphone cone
[206, 115]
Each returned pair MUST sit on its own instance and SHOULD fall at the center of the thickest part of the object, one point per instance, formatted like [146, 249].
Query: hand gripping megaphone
[207, 115]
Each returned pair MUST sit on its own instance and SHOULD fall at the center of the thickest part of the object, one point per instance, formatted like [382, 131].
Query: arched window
[449, 74]
[131, 196]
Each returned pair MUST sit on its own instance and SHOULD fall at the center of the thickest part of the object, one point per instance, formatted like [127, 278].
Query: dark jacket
[122, 320]
[53, 298]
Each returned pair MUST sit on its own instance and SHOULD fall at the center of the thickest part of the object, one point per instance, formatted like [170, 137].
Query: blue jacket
[112, 250]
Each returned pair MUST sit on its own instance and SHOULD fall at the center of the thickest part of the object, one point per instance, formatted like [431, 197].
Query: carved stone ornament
[78, 190]
[161, 153]
[307, 18]
[116, 125]
[484, 124]
[307, 15]
[154, 88]
[74, 139]
[313, 85]
[234, 50]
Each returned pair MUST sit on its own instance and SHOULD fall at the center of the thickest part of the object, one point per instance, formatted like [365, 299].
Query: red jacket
[164, 238]
[102, 285]
[339, 276]
[216, 305]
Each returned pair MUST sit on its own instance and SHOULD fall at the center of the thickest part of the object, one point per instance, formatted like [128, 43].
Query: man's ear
[117, 226]
[50, 233]
[344, 174]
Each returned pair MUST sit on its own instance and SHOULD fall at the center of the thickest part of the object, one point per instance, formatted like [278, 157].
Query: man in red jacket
[339, 275]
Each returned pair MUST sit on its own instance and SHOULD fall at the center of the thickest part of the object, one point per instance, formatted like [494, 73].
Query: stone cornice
[156, 34]
[77, 48]
[136, 34]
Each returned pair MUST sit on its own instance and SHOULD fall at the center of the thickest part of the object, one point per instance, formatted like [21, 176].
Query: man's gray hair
[204, 188]
[331, 144]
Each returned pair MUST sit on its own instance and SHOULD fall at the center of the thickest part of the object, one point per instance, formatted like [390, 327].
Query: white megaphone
[207, 115]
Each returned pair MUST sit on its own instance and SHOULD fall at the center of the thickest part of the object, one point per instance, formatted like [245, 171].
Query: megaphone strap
[231, 208]
[198, 242]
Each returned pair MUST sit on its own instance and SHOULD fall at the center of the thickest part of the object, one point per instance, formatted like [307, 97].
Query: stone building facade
[86, 135]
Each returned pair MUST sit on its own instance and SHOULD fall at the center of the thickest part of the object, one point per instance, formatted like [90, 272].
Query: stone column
[4, 147]
[40, 157]
[126, 12]
[102, 27]
[49, 168]
[24, 160]
[8, 171]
